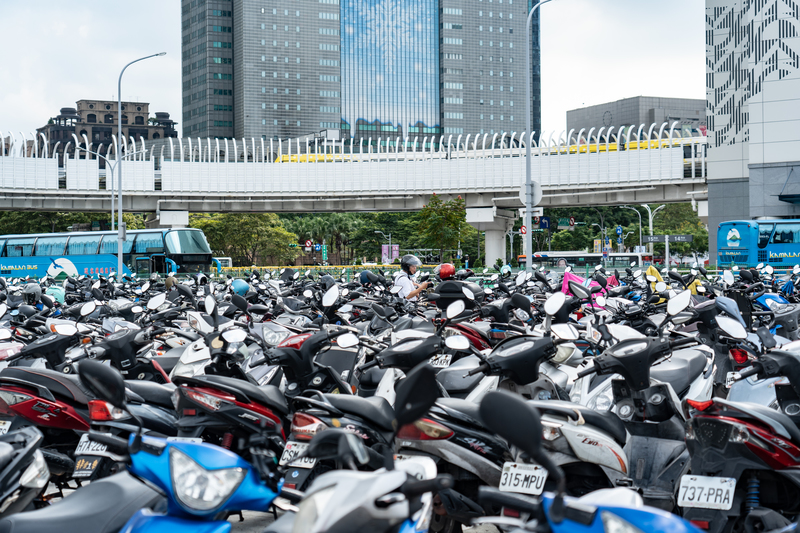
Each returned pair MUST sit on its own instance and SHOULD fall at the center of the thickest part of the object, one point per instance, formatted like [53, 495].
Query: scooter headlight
[274, 338]
[188, 370]
[199, 489]
[603, 401]
[310, 510]
[614, 524]
[37, 474]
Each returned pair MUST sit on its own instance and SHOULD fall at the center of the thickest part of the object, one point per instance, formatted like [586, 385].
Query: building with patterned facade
[378, 69]
[753, 107]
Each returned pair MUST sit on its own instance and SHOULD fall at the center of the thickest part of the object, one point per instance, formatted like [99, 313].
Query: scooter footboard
[147, 520]
[657, 464]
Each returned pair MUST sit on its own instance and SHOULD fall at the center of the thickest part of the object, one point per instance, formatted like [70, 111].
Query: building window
[329, 47]
[453, 100]
[329, 94]
[451, 40]
[451, 11]
[224, 60]
[219, 76]
[451, 26]
[329, 62]
[454, 130]
[329, 16]
[329, 31]
[329, 109]
[458, 116]
[275, 122]
[138, 120]
[221, 29]
[91, 117]
[452, 85]
[325, 77]
[108, 119]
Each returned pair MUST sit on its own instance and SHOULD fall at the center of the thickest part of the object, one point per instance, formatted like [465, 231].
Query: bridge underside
[148, 202]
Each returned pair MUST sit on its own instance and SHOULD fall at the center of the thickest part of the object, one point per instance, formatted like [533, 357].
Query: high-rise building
[378, 69]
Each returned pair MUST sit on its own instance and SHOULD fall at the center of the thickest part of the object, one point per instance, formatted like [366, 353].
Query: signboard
[385, 254]
[308, 243]
[544, 223]
[597, 246]
[523, 230]
[395, 252]
[572, 221]
[324, 252]
[672, 238]
[536, 220]
[317, 247]
[619, 230]
[619, 240]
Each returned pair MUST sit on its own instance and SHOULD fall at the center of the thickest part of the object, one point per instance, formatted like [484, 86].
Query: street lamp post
[390, 242]
[528, 110]
[640, 222]
[652, 215]
[120, 223]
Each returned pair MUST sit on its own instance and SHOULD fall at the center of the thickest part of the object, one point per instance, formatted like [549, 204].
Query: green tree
[442, 224]
[680, 219]
[248, 237]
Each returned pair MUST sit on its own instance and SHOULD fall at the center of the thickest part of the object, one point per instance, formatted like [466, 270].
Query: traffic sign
[672, 238]
[619, 230]
[523, 230]
[324, 252]
[544, 223]
[317, 247]
[619, 240]
[571, 221]
[309, 243]
[536, 193]
[536, 220]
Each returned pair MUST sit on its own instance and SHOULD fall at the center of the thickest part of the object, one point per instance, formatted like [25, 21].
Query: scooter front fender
[151, 522]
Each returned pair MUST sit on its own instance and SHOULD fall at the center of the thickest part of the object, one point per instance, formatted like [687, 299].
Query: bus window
[764, 231]
[143, 267]
[50, 245]
[19, 247]
[84, 244]
[786, 234]
[109, 244]
[149, 243]
[186, 242]
[2, 247]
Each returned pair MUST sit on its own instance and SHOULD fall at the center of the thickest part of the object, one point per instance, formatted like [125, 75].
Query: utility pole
[652, 215]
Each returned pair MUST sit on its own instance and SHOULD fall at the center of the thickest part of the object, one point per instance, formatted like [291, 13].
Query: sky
[56, 52]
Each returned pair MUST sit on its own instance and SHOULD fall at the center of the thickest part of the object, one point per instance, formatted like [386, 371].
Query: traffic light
[293, 245]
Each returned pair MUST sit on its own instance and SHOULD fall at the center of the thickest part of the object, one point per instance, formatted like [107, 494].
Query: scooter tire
[444, 524]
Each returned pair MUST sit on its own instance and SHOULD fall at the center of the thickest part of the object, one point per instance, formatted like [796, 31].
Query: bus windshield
[186, 242]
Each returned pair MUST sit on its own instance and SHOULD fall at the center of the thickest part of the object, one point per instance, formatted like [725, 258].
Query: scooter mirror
[727, 277]
[652, 279]
[679, 302]
[566, 332]
[210, 304]
[47, 301]
[700, 289]
[416, 394]
[633, 264]
[528, 275]
[262, 287]
[485, 270]
[67, 330]
[661, 286]
[541, 269]
[156, 301]
[103, 381]
[239, 302]
[510, 417]
[457, 342]
[329, 298]
[395, 289]
[554, 304]
[345, 292]
[455, 309]
[682, 318]
[348, 340]
[296, 275]
[600, 300]
[494, 277]
[693, 272]
[136, 309]
[146, 286]
[346, 308]
[520, 279]
[732, 328]
[307, 293]
[487, 290]
[568, 269]
[88, 308]
[597, 267]
[735, 268]
[637, 273]
[759, 266]
[468, 293]
[234, 335]
[96, 284]
[769, 270]
[796, 269]
[5, 334]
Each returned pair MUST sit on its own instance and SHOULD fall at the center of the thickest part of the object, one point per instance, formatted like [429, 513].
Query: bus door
[158, 263]
[143, 267]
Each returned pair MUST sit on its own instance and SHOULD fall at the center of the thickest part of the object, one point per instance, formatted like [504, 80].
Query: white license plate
[706, 492]
[89, 447]
[184, 439]
[441, 361]
[522, 478]
[292, 450]
[5, 425]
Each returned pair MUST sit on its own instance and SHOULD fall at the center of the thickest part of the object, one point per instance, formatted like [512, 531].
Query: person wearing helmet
[408, 289]
[240, 287]
[445, 271]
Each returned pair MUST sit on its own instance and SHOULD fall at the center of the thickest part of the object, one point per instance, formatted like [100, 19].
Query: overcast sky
[56, 52]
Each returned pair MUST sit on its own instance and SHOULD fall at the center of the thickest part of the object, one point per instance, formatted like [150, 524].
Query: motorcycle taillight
[740, 357]
[295, 341]
[305, 426]
[101, 411]
[425, 429]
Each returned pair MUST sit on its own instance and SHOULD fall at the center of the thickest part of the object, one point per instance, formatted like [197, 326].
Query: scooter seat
[681, 369]
[269, 395]
[65, 385]
[374, 409]
[102, 506]
[602, 420]
[466, 408]
[153, 392]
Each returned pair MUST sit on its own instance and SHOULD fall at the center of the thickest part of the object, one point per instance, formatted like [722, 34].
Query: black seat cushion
[269, 395]
[680, 370]
[64, 385]
[467, 409]
[153, 392]
[102, 506]
[602, 420]
[374, 409]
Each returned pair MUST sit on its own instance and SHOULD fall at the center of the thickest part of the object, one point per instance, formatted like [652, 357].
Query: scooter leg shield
[459, 507]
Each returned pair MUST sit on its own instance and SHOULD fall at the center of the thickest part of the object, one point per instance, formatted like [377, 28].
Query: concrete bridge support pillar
[496, 223]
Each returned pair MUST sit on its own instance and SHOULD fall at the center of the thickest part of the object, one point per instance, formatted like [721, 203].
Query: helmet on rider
[240, 286]
[32, 293]
[408, 261]
[445, 271]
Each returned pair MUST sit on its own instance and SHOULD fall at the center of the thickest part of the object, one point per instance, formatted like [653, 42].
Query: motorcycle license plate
[89, 447]
[292, 450]
[441, 361]
[522, 478]
[85, 466]
[706, 492]
[184, 439]
[5, 425]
